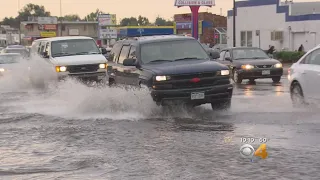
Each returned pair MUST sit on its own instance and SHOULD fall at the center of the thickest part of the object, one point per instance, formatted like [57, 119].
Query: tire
[296, 95]
[235, 77]
[221, 105]
[276, 79]
[111, 82]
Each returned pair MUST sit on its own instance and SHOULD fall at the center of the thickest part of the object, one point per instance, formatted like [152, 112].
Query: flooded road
[76, 132]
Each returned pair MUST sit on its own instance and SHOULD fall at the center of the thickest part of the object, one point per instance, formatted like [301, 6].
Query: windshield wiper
[160, 60]
[258, 58]
[186, 58]
[241, 58]
[81, 53]
[61, 54]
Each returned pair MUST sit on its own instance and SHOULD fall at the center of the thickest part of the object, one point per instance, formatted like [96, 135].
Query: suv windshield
[247, 53]
[172, 50]
[73, 47]
[8, 59]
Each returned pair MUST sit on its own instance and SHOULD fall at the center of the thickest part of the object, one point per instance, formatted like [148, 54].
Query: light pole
[60, 18]
[19, 22]
[234, 23]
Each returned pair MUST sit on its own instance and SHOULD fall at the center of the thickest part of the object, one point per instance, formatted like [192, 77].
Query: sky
[122, 8]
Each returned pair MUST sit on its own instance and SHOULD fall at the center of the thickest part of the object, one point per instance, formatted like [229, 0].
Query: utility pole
[19, 22]
[60, 18]
[234, 23]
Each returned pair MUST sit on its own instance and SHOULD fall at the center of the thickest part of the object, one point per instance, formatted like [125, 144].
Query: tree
[70, 17]
[143, 21]
[13, 22]
[132, 21]
[162, 22]
[93, 16]
[32, 10]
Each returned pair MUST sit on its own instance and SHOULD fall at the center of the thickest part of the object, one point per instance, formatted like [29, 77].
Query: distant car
[23, 51]
[15, 46]
[175, 69]
[251, 63]
[105, 52]
[8, 61]
[304, 78]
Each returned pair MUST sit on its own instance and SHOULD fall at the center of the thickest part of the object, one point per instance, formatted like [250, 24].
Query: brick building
[212, 27]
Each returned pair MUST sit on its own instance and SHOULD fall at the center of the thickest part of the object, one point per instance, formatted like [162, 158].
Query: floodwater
[71, 131]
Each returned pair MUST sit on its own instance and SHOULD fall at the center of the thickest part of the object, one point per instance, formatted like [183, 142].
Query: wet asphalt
[81, 133]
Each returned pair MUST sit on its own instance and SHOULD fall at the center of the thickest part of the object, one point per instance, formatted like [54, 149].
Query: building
[9, 35]
[285, 25]
[134, 31]
[33, 30]
[212, 27]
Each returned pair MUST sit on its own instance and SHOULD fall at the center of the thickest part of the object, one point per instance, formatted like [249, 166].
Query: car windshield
[74, 47]
[9, 59]
[247, 53]
[171, 51]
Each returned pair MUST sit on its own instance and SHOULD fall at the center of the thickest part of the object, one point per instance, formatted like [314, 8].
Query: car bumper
[176, 96]
[90, 76]
[258, 73]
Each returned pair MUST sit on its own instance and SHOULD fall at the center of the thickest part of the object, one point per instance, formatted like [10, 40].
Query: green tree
[28, 10]
[143, 21]
[132, 21]
[93, 16]
[70, 17]
[162, 22]
[32, 10]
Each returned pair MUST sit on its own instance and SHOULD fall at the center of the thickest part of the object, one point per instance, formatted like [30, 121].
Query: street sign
[108, 33]
[47, 20]
[107, 19]
[180, 3]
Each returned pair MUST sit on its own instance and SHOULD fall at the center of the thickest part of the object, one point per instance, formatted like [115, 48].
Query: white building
[285, 25]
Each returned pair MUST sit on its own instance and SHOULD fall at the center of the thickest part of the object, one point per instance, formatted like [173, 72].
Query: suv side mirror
[104, 51]
[214, 55]
[45, 55]
[228, 59]
[129, 62]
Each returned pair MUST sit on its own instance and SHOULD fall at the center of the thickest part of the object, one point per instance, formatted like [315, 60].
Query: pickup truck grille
[264, 66]
[184, 81]
[83, 68]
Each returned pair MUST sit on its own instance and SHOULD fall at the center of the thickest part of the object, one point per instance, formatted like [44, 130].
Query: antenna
[220, 11]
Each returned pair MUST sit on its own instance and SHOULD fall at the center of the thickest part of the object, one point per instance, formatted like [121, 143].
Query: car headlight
[61, 68]
[247, 66]
[223, 72]
[2, 70]
[103, 66]
[162, 78]
[278, 65]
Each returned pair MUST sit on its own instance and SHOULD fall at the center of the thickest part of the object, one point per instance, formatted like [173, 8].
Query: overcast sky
[122, 8]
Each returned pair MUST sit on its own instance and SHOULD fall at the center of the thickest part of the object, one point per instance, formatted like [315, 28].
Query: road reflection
[250, 89]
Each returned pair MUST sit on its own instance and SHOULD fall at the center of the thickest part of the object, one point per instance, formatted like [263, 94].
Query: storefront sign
[107, 19]
[74, 32]
[188, 25]
[195, 3]
[109, 33]
[47, 20]
[42, 27]
[48, 34]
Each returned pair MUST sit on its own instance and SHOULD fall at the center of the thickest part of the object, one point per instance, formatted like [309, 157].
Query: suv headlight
[278, 65]
[61, 68]
[103, 66]
[162, 78]
[2, 70]
[247, 66]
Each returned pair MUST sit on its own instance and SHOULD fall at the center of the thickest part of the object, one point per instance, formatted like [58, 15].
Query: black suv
[176, 69]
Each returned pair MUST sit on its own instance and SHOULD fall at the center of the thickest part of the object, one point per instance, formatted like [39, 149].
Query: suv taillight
[289, 70]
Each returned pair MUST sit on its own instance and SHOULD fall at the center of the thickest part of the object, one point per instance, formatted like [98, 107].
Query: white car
[69, 56]
[304, 78]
